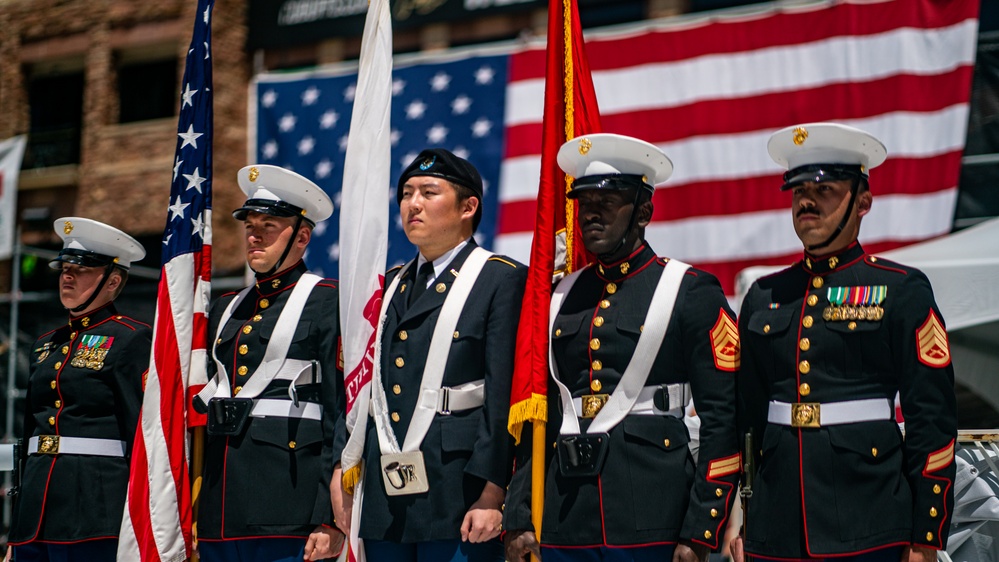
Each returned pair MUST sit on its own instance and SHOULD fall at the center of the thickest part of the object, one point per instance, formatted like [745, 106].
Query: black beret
[441, 163]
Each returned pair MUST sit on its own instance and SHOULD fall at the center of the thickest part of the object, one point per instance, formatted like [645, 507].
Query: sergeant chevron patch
[931, 342]
[940, 459]
[725, 342]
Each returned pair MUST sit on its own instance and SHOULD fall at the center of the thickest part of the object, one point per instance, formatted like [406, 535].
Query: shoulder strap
[220, 373]
[275, 364]
[440, 345]
[626, 393]
[390, 291]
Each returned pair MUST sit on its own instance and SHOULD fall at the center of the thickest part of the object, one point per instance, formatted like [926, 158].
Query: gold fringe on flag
[532, 409]
[570, 131]
[350, 477]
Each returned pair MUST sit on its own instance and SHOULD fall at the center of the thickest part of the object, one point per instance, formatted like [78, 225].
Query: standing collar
[92, 318]
[820, 265]
[622, 269]
[281, 280]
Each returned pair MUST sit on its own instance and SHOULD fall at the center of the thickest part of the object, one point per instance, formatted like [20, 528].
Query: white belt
[7, 457]
[62, 445]
[679, 397]
[456, 398]
[813, 414]
[278, 408]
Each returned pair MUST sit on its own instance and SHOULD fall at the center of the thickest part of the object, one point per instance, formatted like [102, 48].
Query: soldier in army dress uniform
[437, 456]
[633, 338]
[84, 397]
[828, 343]
[275, 393]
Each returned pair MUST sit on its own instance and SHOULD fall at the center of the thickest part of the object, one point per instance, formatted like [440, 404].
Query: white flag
[11, 152]
[364, 236]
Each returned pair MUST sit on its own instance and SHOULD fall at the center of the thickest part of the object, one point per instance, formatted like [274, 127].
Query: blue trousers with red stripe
[253, 550]
[654, 553]
[890, 554]
[101, 550]
[434, 551]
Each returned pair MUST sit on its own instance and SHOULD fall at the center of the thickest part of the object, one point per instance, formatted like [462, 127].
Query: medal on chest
[91, 352]
[855, 303]
[44, 351]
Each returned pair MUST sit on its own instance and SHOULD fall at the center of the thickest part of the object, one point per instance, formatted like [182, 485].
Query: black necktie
[422, 279]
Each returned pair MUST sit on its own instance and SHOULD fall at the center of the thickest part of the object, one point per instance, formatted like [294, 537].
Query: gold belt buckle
[806, 414]
[48, 444]
[592, 403]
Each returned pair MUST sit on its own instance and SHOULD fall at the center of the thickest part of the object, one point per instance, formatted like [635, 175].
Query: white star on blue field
[303, 125]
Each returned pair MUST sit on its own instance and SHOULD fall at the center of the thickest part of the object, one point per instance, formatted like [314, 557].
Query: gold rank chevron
[931, 341]
[725, 342]
[724, 467]
[940, 459]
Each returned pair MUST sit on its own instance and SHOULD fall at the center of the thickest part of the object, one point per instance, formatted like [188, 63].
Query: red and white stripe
[161, 505]
[710, 90]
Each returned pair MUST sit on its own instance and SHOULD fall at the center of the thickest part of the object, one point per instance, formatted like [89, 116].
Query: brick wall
[124, 173]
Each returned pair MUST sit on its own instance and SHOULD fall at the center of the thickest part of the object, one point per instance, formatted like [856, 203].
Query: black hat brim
[80, 257]
[818, 173]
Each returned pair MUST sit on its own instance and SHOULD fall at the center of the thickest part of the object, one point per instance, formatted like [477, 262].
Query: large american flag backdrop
[709, 90]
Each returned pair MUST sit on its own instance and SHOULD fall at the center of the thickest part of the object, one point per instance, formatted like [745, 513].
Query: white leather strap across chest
[433, 372]
[275, 365]
[626, 394]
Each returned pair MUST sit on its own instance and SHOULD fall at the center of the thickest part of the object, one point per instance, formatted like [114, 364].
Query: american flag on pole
[156, 525]
[709, 89]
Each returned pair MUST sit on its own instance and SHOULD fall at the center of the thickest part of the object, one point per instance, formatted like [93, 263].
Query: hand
[343, 503]
[484, 519]
[690, 552]
[10, 549]
[737, 549]
[915, 553]
[519, 544]
[323, 543]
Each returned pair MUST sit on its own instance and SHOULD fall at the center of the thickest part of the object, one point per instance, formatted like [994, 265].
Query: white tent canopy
[964, 270]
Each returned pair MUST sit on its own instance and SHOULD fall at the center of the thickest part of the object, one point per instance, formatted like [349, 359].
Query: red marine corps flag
[570, 110]
[156, 525]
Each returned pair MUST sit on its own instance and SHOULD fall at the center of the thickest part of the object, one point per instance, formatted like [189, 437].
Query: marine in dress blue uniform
[827, 345]
[649, 500]
[265, 492]
[83, 402]
[467, 451]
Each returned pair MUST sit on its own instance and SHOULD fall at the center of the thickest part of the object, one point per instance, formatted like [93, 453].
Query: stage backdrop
[708, 89]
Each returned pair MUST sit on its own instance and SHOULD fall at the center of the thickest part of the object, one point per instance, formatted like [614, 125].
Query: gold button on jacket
[844, 331]
[249, 462]
[601, 325]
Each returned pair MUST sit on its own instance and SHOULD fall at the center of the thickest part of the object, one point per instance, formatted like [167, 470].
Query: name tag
[404, 474]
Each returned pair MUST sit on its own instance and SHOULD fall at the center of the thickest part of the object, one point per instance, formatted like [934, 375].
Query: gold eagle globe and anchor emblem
[806, 414]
